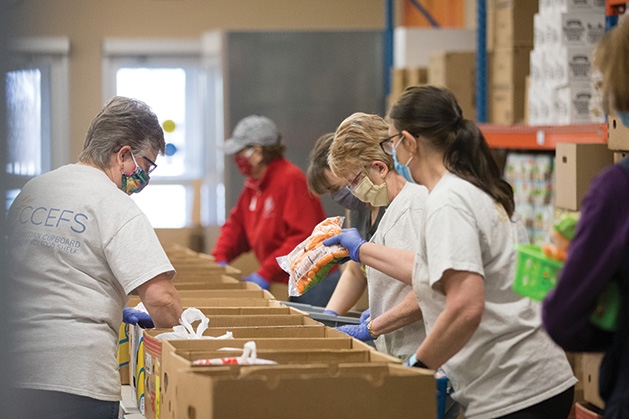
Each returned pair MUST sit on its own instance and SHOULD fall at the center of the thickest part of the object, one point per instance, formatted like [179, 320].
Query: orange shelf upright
[615, 7]
[542, 137]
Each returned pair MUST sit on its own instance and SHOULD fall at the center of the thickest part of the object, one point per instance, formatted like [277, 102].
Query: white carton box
[582, 28]
[563, 6]
[571, 104]
[572, 64]
[537, 65]
[540, 104]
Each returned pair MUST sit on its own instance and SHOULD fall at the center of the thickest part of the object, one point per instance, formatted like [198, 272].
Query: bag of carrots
[311, 261]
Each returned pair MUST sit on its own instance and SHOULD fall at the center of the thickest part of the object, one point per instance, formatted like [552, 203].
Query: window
[169, 77]
[36, 99]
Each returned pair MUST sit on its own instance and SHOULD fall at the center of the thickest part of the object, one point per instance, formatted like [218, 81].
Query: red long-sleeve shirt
[272, 216]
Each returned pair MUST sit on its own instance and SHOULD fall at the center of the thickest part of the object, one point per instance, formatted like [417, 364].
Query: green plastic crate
[536, 274]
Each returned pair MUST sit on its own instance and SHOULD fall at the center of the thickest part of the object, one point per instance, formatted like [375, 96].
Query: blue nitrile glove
[223, 263]
[364, 317]
[358, 331]
[350, 239]
[331, 312]
[257, 279]
[133, 316]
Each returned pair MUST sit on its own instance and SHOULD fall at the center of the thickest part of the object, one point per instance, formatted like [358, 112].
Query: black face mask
[347, 200]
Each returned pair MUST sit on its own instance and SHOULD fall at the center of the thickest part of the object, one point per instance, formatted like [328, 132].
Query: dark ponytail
[434, 114]
[470, 158]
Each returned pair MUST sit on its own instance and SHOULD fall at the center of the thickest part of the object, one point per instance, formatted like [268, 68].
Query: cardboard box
[591, 364]
[581, 28]
[305, 391]
[217, 302]
[571, 64]
[416, 76]
[198, 285]
[153, 356]
[246, 293]
[619, 155]
[618, 134]
[575, 167]
[563, 6]
[208, 273]
[457, 72]
[318, 385]
[509, 68]
[571, 104]
[124, 354]
[576, 363]
[584, 410]
[513, 23]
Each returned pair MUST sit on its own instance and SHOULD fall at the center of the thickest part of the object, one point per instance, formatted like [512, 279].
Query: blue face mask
[624, 117]
[402, 169]
[135, 181]
[347, 200]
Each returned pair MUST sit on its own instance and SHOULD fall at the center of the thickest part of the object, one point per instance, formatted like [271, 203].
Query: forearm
[403, 314]
[349, 289]
[455, 325]
[396, 263]
[161, 300]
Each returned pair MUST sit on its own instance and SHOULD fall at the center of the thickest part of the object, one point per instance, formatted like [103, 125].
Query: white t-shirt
[510, 363]
[79, 246]
[399, 228]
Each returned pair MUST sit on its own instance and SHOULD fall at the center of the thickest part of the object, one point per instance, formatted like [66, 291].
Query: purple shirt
[595, 254]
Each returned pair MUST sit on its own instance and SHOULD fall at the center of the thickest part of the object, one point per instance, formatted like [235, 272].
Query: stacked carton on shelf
[509, 42]
[561, 90]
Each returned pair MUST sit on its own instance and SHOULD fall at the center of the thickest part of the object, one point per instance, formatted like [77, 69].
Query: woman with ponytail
[488, 340]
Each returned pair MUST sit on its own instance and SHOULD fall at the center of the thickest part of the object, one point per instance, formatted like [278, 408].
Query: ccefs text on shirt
[53, 217]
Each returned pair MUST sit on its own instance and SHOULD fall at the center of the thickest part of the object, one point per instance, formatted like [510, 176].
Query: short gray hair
[122, 121]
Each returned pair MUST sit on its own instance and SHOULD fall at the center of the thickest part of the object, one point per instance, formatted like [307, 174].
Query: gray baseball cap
[252, 130]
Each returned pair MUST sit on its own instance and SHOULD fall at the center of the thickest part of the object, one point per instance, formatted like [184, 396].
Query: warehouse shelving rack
[533, 137]
[542, 137]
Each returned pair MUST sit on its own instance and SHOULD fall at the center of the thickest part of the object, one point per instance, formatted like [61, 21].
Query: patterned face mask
[135, 181]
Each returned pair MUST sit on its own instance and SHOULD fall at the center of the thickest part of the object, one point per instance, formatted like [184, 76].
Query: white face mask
[376, 195]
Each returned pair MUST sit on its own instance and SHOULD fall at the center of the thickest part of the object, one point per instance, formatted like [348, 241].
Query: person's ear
[123, 155]
[380, 168]
[410, 142]
[256, 157]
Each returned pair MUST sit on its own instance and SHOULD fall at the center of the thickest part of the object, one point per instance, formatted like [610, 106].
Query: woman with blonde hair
[489, 340]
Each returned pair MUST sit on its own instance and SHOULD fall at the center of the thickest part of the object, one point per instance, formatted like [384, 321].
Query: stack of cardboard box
[320, 372]
[509, 43]
[561, 87]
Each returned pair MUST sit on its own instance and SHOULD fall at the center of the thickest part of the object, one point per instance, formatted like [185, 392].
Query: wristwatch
[416, 363]
[370, 330]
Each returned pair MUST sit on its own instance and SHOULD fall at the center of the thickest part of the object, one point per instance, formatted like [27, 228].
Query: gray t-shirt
[509, 363]
[399, 228]
[78, 247]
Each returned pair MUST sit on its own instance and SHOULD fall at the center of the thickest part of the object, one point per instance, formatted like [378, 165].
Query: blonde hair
[357, 144]
[612, 58]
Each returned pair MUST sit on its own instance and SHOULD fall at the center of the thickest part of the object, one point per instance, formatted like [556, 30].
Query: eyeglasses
[387, 144]
[352, 185]
[152, 166]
